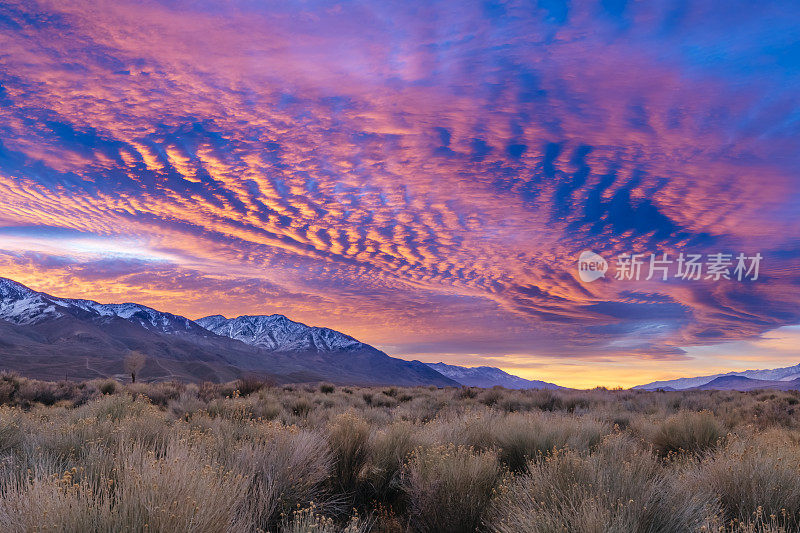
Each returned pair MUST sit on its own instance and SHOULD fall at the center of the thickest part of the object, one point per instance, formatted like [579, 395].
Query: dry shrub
[46, 392]
[177, 491]
[517, 437]
[158, 393]
[490, 397]
[267, 409]
[208, 391]
[311, 521]
[9, 385]
[11, 429]
[286, 469]
[475, 429]
[521, 438]
[753, 475]
[688, 432]
[250, 384]
[301, 407]
[181, 490]
[107, 386]
[465, 393]
[449, 488]
[53, 504]
[348, 435]
[619, 488]
[388, 450]
[186, 405]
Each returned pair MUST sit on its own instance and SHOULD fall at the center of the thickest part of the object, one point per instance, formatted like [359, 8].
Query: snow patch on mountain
[775, 374]
[23, 306]
[488, 376]
[140, 314]
[280, 334]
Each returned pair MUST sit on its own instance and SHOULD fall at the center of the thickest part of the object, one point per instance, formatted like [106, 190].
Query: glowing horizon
[420, 176]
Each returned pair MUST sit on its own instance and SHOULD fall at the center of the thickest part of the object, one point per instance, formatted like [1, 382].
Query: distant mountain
[47, 337]
[323, 348]
[23, 306]
[52, 338]
[488, 376]
[741, 383]
[786, 374]
[278, 333]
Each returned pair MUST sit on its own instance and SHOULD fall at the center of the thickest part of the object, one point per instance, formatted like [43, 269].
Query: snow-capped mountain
[140, 314]
[23, 306]
[278, 333]
[321, 347]
[47, 337]
[775, 374]
[488, 376]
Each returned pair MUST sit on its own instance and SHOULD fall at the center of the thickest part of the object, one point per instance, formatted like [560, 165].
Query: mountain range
[47, 337]
[488, 376]
[787, 378]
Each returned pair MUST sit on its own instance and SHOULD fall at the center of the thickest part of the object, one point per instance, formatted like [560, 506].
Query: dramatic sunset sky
[420, 175]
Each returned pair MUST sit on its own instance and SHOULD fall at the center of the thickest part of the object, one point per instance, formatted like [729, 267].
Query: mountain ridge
[488, 376]
[51, 338]
[783, 374]
[277, 332]
[742, 383]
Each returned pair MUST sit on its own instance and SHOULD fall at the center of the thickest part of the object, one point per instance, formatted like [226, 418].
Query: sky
[421, 175]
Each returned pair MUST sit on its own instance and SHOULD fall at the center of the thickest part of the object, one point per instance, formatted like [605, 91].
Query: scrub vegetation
[251, 456]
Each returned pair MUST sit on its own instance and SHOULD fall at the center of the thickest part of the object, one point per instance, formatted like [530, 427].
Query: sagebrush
[252, 456]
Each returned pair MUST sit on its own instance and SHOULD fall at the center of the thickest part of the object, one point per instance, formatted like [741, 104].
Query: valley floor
[248, 456]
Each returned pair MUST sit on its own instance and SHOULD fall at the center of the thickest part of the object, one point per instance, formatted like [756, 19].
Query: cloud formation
[421, 175]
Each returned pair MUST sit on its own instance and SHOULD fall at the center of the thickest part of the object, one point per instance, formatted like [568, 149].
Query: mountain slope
[742, 383]
[52, 338]
[785, 374]
[278, 333]
[354, 361]
[487, 376]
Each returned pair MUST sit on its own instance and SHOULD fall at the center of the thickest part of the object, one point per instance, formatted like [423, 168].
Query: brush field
[249, 456]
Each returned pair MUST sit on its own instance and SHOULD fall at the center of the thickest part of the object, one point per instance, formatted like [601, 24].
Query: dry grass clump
[348, 435]
[285, 469]
[145, 492]
[688, 432]
[755, 477]
[388, 450]
[521, 438]
[449, 487]
[310, 521]
[249, 456]
[619, 488]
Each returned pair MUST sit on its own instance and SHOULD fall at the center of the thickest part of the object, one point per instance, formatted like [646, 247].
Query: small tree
[134, 362]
